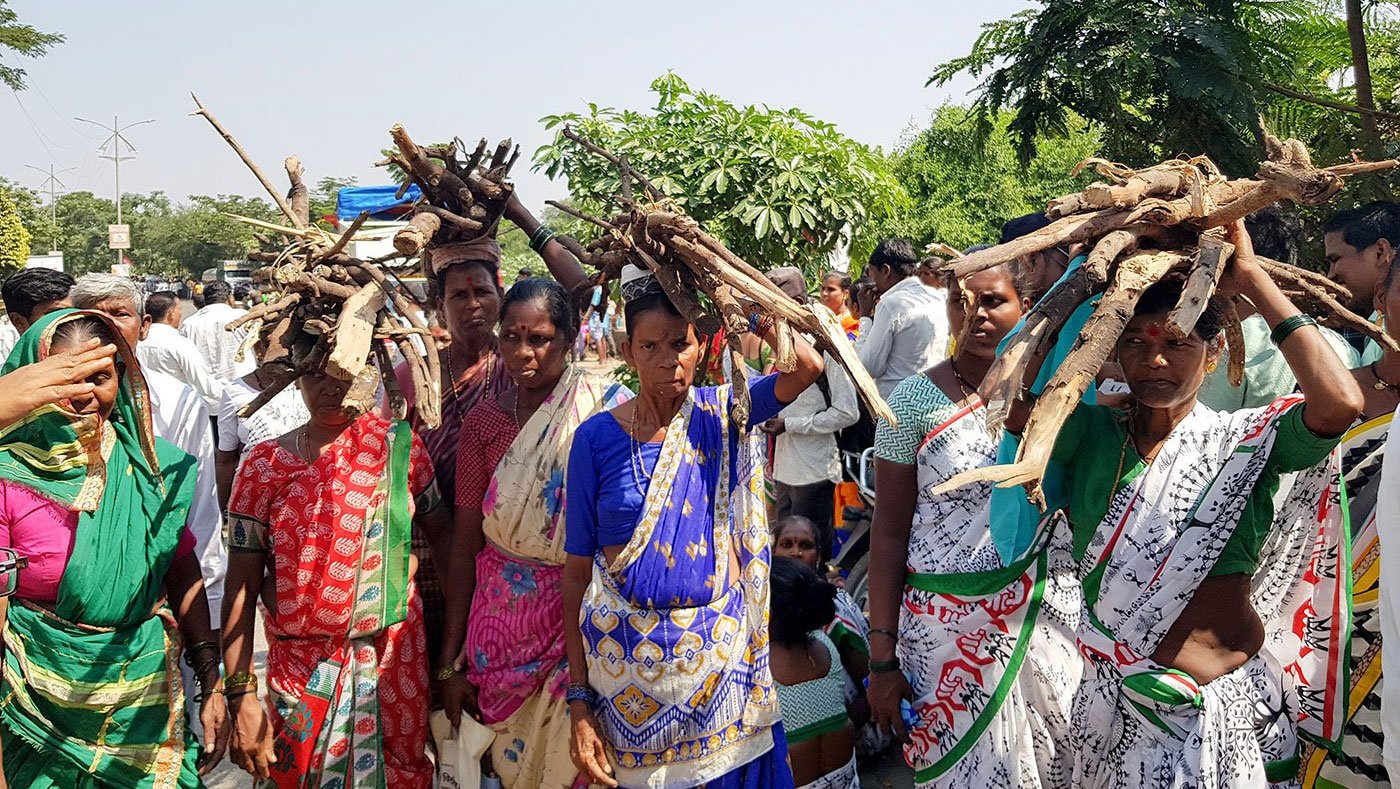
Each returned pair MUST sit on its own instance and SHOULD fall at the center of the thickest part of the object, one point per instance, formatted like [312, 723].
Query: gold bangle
[240, 680]
[445, 673]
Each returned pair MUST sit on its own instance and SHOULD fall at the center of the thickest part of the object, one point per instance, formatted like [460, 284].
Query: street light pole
[116, 140]
[55, 188]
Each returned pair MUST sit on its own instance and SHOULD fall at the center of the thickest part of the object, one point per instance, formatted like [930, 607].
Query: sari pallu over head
[1161, 536]
[94, 686]
[677, 636]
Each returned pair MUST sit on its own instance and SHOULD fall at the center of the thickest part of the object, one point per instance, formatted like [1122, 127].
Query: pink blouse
[43, 531]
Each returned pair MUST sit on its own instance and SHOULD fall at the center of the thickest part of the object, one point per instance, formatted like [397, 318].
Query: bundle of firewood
[1138, 227]
[335, 311]
[462, 200]
[711, 286]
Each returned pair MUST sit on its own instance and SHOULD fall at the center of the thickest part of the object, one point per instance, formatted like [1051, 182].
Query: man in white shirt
[806, 461]
[206, 329]
[180, 417]
[165, 350]
[909, 331]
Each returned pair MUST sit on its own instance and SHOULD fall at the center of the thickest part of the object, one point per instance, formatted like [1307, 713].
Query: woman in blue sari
[665, 588]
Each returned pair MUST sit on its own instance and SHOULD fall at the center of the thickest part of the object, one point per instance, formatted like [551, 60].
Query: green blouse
[1094, 438]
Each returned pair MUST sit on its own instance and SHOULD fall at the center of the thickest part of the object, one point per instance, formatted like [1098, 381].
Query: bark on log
[1234, 345]
[354, 333]
[417, 234]
[299, 198]
[1212, 254]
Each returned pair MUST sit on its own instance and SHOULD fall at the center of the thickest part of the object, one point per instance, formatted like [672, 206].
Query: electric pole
[116, 140]
[55, 188]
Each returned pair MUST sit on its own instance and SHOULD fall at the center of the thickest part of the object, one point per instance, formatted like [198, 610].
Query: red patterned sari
[347, 665]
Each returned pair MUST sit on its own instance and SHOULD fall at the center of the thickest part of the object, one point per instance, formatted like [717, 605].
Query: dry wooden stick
[277, 198]
[1234, 344]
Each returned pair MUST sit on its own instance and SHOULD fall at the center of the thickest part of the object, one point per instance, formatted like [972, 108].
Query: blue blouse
[606, 488]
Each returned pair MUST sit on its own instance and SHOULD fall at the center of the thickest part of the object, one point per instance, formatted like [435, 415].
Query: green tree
[33, 214]
[323, 197]
[83, 218]
[1167, 78]
[14, 238]
[23, 40]
[778, 186]
[961, 192]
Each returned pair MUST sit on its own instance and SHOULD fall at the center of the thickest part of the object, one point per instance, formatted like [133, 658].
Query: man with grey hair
[180, 417]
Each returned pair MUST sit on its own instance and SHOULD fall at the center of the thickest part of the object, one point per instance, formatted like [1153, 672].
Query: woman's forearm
[184, 587]
[459, 582]
[889, 552]
[225, 469]
[578, 573]
[242, 586]
[1333, 398]
[562, 264]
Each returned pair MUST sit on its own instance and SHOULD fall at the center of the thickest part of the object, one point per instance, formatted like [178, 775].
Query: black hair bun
[802, 601]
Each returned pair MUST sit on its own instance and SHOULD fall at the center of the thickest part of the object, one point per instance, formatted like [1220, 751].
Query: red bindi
[1154, 330]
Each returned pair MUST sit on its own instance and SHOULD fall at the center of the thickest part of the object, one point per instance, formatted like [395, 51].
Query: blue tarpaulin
[379, 201]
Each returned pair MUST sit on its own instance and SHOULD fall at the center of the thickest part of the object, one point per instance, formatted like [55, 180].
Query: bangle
[241, 680]
[580, 692]
[540, 237]
[445, 673]
[1289, 325]
[202, 697]
[890, 634]
[884, 666]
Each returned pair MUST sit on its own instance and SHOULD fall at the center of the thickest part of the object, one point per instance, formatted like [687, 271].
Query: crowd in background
[627, 588]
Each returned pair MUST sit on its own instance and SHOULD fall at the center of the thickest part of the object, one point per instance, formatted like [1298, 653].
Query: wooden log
[340, 243]
[417, 234]
[1070, 230]
[1005, 381]
[267, 311]
[1062, 394]
[1212, 254]
[462, 224]
[354, 333]
[1234, 345]
[1291, 273]
[299, 197]
[784, 351]
[1153, 182]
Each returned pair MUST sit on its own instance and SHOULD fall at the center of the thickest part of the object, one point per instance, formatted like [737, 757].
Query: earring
[1210, 367]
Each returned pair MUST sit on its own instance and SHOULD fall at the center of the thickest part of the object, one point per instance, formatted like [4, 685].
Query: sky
[325, 81]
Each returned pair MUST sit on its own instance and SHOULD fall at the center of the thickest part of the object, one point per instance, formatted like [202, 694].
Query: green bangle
[1289, 325]
[541, 236]
[884, 666]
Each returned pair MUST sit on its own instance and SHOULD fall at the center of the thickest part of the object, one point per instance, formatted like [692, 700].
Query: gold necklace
[1118, 475]
[963, 383]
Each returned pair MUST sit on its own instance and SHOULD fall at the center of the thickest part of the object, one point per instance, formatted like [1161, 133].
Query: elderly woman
[665, 601]
[510, 512]
[941, 598]
[328, 511]
[1211, 609]
[97, 504]
[1360, 762]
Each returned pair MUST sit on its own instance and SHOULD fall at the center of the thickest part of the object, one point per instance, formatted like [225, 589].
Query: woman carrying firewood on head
[942, 599]
[1209, 608]
[467, 292]
[1360, 763]
[665, 603]
[503, 624]
[329, 511]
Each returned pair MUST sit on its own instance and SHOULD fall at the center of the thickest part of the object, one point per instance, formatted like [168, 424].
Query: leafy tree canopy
[960, 192]
[777, 185]
[1166, 78]
[22, 40]
[14, 238]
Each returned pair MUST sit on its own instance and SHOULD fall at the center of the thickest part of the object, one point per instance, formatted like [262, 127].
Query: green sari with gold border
[90, 693]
